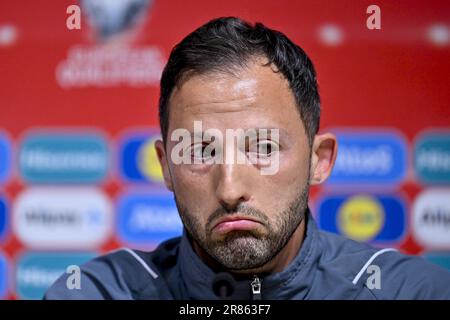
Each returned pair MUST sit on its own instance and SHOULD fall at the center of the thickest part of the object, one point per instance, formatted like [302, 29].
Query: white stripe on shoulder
[376, 254]
[142, 262]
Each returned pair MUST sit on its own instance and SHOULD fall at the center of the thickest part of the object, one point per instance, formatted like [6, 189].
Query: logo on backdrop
[62, 217]
[361, 218]
[378, 219]
[3, 218]
[146, 219]
[111, 18]
[63, 158]
[431, 218]
[138, 159]
[369, 157]
[5, 158]
[432, 158]
[36, 272]
[3, 276]
[113, 59]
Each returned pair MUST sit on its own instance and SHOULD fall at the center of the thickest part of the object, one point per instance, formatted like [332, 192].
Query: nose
[233, 185]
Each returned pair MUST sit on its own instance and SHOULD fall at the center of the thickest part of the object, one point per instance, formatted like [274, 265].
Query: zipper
[256, 288]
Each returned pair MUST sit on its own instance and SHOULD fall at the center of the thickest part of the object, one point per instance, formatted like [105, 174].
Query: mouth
[234, 223]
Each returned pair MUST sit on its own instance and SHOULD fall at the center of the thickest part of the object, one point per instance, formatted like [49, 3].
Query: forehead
[256, 96]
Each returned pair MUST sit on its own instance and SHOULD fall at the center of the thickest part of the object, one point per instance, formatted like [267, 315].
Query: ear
[163, 161]
[323, 157]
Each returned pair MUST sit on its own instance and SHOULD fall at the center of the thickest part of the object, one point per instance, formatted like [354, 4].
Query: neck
[277, 264]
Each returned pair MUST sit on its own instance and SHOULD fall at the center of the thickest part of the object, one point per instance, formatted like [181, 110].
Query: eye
[263, 148]
[200, 152]
[262, 152]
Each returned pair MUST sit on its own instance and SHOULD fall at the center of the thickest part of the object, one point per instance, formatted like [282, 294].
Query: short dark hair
[227, 44]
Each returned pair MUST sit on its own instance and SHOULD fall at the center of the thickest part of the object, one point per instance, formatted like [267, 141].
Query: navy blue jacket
[327, 266]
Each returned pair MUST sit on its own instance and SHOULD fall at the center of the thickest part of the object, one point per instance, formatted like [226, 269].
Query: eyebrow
[282, 133]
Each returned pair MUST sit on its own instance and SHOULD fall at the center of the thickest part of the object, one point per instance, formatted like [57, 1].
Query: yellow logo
[361, 218]
[148, 161]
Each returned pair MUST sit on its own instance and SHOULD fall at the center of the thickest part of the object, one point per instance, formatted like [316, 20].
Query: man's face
[239, 216]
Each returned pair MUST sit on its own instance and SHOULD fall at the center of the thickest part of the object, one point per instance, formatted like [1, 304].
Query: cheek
[282, 187]
[193, 191]
[294, 168]
[189, 181]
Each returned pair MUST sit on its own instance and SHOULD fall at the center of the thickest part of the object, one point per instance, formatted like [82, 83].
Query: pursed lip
[235, 218]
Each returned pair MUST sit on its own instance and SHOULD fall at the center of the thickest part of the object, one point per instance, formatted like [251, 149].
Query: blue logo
[36, 272]
[64, 158]
[5, 158]
[377, 219]
[3, 217]
[148, 219]
[3, 276]
[369, 157]
[138, 159]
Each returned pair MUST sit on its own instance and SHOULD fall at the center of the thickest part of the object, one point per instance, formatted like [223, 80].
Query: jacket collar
[294, 281]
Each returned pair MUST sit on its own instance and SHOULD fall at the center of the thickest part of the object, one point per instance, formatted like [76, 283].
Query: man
[248, 233]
